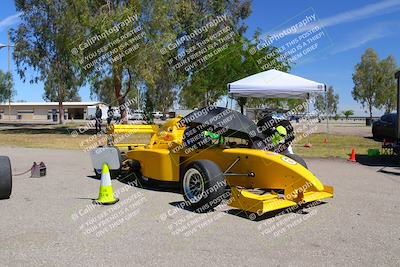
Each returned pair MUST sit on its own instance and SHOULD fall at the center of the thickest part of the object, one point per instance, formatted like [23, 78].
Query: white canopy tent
[274, 84]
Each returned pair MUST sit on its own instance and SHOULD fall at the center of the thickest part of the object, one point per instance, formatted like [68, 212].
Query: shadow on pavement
[252, 216]
[153, 185]
[390, 170]
[300, 209]
[380, 161]
[55, 130]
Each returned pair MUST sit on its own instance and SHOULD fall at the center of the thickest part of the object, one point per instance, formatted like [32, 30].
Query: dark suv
[385, 127]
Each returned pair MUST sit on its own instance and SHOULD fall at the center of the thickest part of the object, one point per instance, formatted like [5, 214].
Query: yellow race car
[209, 150]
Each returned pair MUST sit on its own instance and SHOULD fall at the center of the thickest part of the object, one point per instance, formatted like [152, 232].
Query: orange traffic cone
[308, 145]
[353, 155]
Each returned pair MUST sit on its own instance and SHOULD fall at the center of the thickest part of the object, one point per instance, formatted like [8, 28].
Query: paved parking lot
[50, 221]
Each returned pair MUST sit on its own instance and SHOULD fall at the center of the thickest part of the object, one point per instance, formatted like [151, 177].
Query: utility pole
[397, 76]
[9, 75]
[8, 45]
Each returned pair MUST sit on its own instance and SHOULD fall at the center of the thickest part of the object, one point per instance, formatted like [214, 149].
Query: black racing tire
[298, 159]
[135, 174]
[5, 177]
[376, 137]
[145, 182]
[203, 185]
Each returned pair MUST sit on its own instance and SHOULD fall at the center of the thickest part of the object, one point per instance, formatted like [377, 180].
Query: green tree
[336, 117]
[205, 84]
[387, 93]
[296, 103]
[366, 79]
[101, 89]
[6, 86]
[148, 107]
[40, 44]
[264, 58]
[328, 102]
[348, 113]
[239, 60]
[164, 94]
[53, 87]
[155, 19]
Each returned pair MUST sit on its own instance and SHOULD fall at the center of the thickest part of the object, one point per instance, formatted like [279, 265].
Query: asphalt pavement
[50, 221]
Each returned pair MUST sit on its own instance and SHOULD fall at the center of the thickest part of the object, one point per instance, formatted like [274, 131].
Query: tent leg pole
[327, 117]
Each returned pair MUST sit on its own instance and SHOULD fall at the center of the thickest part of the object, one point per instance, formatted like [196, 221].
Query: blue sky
[350, 27]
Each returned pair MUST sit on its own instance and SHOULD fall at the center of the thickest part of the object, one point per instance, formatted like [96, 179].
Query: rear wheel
[375, 135]
[298, 159]
[203, 185]
[136, 174]
[5, 177]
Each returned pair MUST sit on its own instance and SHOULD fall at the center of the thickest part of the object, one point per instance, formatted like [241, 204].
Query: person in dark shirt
[99, 114]
[110, 115]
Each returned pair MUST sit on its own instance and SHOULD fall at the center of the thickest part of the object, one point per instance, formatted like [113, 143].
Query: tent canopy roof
[274, 84]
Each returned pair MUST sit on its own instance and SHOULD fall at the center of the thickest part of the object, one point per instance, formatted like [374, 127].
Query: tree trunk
[60, 105]
[60, 112]
[121, 100]
[370, 112]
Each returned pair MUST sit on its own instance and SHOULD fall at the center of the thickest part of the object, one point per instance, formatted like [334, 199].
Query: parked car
[385, 127]
[91, 112]
[136, 115]
[117, 114]
[157, 115]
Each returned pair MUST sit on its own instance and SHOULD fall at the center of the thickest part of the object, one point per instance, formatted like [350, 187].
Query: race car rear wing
[120, 133]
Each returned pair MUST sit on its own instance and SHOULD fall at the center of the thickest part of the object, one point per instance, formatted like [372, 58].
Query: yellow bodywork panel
[158, 164]
[250, 202]
[260, 204]
[272, 170]
[133, 129]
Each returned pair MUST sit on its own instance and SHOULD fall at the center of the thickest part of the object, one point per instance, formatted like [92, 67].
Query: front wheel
[5, 177]
[203, 185]
[298, 159]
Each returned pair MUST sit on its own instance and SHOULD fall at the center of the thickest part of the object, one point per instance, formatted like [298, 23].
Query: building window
[25, 114]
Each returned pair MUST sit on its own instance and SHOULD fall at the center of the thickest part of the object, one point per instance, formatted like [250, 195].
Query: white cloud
[9, 21]
[367, 11]
[360, 38]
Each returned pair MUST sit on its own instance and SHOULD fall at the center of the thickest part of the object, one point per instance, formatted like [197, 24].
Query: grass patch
[338, 145]
[55, 141]
[60, 138]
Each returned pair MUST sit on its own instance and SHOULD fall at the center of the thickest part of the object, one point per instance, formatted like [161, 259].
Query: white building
[46, 111]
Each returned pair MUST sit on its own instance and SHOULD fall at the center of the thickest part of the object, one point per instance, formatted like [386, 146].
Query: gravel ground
[50, 221]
